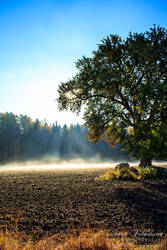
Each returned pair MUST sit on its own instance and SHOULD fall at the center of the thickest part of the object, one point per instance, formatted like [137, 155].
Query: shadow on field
[57, 202]
[147, 206]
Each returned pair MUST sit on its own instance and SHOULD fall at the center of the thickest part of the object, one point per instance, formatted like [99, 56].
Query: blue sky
[41, 39]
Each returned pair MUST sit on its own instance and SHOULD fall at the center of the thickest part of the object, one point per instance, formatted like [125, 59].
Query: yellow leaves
[119, 174]
[112, 135]
[139, 178]
[138, 108]
[127, 174]
[130, 130]
[112, 140]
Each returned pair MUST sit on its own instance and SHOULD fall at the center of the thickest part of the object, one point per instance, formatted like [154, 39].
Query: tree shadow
[145, 206]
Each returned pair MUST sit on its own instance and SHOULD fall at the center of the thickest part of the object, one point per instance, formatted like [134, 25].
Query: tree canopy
[123, 89]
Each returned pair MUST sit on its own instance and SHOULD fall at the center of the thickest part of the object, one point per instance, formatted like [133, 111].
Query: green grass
[147, 173]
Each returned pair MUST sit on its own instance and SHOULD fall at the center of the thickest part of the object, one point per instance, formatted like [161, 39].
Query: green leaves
[123, 85]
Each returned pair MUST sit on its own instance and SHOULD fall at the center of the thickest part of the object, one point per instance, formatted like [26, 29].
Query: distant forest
[23, 139]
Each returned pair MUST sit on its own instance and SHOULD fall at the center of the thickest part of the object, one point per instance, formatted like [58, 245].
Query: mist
[56, 163]
[24, 140]
[28, 144]
[51, 163]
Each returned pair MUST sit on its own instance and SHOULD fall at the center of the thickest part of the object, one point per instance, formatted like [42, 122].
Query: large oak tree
[123, 89]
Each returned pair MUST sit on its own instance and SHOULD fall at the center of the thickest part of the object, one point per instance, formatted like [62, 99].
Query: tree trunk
[145, 162]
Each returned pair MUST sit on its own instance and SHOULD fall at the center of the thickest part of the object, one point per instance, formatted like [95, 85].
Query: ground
[57, 201]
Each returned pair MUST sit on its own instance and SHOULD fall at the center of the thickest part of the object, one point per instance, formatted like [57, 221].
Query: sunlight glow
[42, 40]
[62, 165]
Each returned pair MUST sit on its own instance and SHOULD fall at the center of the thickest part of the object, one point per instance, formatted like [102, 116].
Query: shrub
[127, 174]
[147, 172]
[119, 174]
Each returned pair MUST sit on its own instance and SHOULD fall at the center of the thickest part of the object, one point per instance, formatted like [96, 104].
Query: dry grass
[56, 203]
[50, 202]
[119, 174]
[86, 240]
[127, 174]
[100, 240]
[13, 241]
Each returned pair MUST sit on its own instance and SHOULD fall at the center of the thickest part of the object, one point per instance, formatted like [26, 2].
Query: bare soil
[48, 202]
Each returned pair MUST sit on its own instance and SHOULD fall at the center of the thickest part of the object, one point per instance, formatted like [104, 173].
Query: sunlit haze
[41, 40]
[63, 165]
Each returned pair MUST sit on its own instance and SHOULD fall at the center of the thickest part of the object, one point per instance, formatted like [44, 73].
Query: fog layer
[54, 164]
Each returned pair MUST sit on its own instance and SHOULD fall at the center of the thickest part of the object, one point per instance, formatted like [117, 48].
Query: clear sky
[41, 39]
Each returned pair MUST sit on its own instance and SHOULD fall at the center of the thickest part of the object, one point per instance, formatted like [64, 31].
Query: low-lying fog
[57, 164]
[54, 165]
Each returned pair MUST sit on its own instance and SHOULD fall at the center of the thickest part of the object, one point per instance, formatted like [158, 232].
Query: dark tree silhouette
[21, 138]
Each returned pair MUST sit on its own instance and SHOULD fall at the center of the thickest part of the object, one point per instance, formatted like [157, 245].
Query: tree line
[22, 138]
